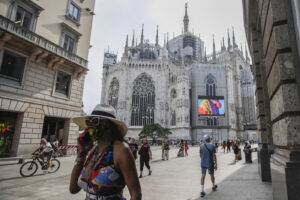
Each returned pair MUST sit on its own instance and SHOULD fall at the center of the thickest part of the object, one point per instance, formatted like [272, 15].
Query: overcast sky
[115, 19]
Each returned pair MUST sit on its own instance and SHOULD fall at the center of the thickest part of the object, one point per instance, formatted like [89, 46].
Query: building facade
[167, 84]
[43, 62]
[273, 33]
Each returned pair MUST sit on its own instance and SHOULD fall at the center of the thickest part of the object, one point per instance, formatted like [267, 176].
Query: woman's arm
[150, 153]
[81, 155]
[125, 162]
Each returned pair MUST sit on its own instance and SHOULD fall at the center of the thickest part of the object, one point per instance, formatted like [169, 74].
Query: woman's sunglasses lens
[92, 122]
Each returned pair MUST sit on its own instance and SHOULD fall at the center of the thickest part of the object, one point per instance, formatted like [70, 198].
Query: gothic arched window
[173, 118]
[113, 93]
[210, 86]
[143, 101]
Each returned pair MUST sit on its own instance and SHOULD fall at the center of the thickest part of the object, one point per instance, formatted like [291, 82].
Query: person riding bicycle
[45, 150]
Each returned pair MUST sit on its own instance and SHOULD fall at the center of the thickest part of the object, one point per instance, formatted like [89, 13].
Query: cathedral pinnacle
[233, 39]
[205, 58]
[223, 45]
[126, 47]
[214, 48]
[229, 43]
[156, 41]
[186, 20]
[142, 35]
[132, 44]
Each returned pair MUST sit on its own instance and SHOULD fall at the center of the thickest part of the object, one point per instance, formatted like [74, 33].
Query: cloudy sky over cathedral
[115, 19]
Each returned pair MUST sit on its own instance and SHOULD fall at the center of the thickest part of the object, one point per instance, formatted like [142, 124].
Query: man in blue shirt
[208, 162]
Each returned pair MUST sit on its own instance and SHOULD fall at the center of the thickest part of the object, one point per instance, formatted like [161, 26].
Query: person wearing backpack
[208, 162]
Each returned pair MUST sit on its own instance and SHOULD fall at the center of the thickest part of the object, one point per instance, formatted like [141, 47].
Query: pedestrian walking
[181, 149]
[145, 156]
[216, 146]
[167, 148]
[228, 146]
[224, 145]
[104, 163]
[235, 148]
[186, 147]
[133, 147]
[208, 162]
[162, 150]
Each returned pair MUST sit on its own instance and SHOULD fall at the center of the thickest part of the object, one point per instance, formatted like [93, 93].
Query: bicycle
[29, 168]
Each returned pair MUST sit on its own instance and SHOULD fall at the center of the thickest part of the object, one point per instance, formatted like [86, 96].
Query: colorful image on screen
[211, 107]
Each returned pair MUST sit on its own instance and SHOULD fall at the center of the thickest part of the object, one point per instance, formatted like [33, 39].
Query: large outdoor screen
[211, 106]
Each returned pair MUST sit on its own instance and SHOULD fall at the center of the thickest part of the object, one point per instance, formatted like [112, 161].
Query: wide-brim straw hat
[103, 112]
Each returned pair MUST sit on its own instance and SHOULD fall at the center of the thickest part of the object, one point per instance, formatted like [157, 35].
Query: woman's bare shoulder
[121, 146]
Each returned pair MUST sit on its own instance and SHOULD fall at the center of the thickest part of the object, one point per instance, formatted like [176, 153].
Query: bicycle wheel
[54, 166]
[28, 168]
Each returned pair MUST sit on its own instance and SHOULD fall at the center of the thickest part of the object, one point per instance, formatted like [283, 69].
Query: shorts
[48, 154]
[210, 170]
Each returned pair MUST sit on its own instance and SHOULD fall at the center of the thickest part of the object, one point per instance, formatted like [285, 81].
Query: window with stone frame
[74, 11]
[12, 68]
[23, 17]
[69, 43]
[113, 93]
[69, 38]
[62, 84]
[210, 86]
[143, 101]
[24, 13]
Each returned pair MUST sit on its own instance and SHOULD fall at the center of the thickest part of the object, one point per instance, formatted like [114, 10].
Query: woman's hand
[82, 149]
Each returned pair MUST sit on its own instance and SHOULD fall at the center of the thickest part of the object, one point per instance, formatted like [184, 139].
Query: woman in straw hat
[104, 164]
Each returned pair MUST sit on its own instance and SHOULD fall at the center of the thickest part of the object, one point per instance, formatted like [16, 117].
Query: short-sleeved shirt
[144, 151]
[47, 146]
[206, 157]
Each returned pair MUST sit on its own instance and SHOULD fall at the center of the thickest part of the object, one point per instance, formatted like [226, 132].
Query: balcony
[39, 41]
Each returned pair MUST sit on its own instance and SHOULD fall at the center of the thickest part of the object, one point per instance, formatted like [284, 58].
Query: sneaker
[150, 172]
[140, 176]
[202, 194]
[214, 188]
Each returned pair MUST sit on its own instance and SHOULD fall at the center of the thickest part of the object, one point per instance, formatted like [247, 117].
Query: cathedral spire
[168, 40]
[229, 43]
[126, 47]
[156, 41]
[233, 39]
[214, 48]
[223, 45]
[205, 58]
[142, 35]
[132, 44]
[186, 20]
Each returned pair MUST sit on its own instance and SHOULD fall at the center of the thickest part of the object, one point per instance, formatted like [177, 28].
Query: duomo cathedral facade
[180, 87]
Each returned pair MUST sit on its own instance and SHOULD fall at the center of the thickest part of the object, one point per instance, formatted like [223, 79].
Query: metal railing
[40, 41]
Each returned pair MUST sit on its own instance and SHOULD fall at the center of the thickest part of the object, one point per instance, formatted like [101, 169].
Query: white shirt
[47, 147]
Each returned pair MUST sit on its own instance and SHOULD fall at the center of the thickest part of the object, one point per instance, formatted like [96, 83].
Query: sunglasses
[97, 122]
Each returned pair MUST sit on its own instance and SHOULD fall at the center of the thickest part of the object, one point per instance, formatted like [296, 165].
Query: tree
[154, 131]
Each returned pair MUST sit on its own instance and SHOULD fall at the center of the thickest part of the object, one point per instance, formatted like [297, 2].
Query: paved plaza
[177, 178]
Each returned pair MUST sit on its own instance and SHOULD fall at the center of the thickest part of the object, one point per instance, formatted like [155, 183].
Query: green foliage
[154, 131]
